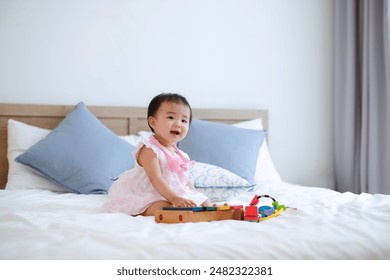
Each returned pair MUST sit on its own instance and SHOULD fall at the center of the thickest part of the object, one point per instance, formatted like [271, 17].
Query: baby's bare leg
[158, 205]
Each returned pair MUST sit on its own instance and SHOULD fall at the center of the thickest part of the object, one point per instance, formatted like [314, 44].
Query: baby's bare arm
[149, 161]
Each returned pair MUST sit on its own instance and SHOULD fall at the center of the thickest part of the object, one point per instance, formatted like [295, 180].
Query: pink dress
[132, 192]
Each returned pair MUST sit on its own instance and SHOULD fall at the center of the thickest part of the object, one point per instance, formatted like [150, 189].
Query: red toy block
[251, 214]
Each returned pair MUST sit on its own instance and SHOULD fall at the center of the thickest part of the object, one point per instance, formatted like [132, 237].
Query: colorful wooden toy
[173, 215]
[263, 212]
[251, 213]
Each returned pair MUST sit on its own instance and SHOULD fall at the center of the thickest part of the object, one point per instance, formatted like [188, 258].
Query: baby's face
[171, 122]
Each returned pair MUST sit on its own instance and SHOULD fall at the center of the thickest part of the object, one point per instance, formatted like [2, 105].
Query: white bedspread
[39, 224]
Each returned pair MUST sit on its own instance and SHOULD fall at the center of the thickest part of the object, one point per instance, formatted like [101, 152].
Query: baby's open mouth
[175, 132]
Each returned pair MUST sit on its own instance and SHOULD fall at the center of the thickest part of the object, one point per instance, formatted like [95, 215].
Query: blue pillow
[80, 154]
[233, 148]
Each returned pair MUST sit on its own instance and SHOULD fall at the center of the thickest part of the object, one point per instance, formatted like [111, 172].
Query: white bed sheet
[40, 224]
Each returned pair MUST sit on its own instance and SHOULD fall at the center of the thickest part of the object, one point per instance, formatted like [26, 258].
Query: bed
[40, 219]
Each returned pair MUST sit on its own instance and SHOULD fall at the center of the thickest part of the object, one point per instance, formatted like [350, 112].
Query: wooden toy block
[183, 216]
[223, 207]
[251, 214]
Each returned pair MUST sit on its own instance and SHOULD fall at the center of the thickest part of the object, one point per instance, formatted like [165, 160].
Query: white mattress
[40, 224]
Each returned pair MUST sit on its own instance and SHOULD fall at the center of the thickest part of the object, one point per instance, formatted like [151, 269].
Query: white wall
[218, 53]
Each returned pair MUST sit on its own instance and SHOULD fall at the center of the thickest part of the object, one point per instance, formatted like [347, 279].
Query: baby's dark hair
[156, 102]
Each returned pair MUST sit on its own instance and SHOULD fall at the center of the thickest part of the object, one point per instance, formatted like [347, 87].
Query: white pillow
[217, 183]
[134, 139]
[21, 137]
[266, 172]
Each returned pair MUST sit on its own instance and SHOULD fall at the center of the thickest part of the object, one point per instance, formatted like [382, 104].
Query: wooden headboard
[121, 120]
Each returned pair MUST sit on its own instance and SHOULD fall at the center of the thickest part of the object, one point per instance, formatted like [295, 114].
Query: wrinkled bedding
[41, 224]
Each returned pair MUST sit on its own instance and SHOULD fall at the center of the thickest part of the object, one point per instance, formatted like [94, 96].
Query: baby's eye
[170, 117]
[184, 121]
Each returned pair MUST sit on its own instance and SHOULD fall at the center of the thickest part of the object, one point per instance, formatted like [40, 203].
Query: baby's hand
[182, 202]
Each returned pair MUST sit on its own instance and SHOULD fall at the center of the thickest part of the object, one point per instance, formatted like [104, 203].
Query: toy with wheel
[256, 214]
